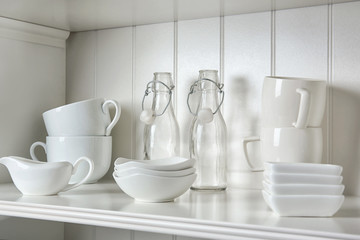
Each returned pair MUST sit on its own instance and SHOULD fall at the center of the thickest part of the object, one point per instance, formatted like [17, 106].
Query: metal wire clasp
[148, 91]
[192, 90]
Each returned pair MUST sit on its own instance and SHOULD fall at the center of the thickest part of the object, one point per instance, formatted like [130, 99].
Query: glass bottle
[208, 134]
[161, 131]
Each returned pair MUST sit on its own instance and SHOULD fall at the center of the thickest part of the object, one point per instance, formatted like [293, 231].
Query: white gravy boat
[43, 178]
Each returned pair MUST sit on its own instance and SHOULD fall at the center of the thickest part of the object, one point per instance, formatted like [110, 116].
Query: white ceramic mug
[287, 145]
[288, 102]
[96, 148]
[85, 118]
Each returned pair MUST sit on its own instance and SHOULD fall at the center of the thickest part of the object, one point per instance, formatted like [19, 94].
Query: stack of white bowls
[303, 189]
[80, 129]
[158, 180]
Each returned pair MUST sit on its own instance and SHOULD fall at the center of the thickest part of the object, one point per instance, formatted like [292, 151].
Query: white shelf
[233, 214]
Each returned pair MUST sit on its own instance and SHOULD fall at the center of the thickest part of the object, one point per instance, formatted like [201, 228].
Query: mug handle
[32, 149]
[76, 165]
[305, 98]
[246, 140]
[105, 109]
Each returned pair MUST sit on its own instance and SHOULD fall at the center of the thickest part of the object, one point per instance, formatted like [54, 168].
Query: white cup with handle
[292, 102]
[96, 148]
[287, 145]
[85, 118]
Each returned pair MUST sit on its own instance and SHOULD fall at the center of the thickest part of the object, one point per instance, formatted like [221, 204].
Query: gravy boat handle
[76, 164]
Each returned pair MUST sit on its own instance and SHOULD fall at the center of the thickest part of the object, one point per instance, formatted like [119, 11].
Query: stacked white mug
[292, 111]
[80, 129]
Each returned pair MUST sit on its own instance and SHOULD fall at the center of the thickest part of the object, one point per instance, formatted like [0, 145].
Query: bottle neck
[209, 99]
[162, 102]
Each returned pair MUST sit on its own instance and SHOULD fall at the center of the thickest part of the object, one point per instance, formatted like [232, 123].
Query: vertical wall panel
[112, 234]
[151, 236]
[154, 52]
[198, 48]
[247, 61]
[80, 66]
[301, 42]
[114, 81]
[32, 81]
[346, 93]
[301, 48]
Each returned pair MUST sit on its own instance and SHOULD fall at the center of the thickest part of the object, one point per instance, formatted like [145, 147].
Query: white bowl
[147, 188]
[303, 189]
[285, 178]
[164, 164]
[306, 168]
[304, 205]
[121, 172]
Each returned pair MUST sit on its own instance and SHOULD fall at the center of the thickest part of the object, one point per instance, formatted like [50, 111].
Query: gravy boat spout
[43, 178]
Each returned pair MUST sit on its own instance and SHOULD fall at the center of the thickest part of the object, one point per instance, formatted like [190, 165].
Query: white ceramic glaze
[97, 148]
[120, 171]
[304, 205]
[288, 102]
[164, 164]
[307, 168]
[40, 178]
[303, 189]
[85, 118]
[147, 188]
[288, 145]
[285, 178]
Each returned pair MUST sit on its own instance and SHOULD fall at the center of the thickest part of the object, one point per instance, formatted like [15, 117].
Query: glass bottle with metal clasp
[161, 131]
[208, 134]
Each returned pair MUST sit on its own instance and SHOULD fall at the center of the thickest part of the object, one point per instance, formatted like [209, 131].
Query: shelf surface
[233, 214]
[82, 15]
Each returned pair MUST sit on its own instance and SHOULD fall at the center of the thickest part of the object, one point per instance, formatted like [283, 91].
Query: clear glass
[208, 141]
[162, 137]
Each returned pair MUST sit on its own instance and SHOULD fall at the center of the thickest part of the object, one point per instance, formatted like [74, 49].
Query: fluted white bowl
[121, 172]
[164, 164]
[148, 188]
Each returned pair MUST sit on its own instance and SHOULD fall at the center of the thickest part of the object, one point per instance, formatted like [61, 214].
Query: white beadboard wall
[317, 42]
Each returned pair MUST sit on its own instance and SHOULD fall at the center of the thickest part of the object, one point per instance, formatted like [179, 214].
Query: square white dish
[164, 164]
[303, 168]
[304, 205]
[286, 178]
[303, 189]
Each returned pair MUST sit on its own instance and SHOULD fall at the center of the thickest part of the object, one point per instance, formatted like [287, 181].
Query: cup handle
[32, 149]
[76, 165]
[246, 140]
[305, 98]
[105, 109]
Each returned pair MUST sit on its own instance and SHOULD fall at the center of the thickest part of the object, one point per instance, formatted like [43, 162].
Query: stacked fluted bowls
[159, 180]
[303, 189]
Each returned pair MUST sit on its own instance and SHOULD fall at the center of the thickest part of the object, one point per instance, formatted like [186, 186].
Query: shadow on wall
[242, 116]
[346, 136]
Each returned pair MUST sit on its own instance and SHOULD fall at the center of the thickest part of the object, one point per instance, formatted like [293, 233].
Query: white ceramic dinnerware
[288, 102]
[41, 178]
[303, 189]
[307, 168]
[287, 145]
[164, 164]
[97, 148]
[120, 172]
[304, 205]
[150, 188]
[85, 118]
[282, 178]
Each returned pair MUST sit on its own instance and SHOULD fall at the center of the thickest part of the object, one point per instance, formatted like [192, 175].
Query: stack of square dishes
[303, 189]
[159, 180]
